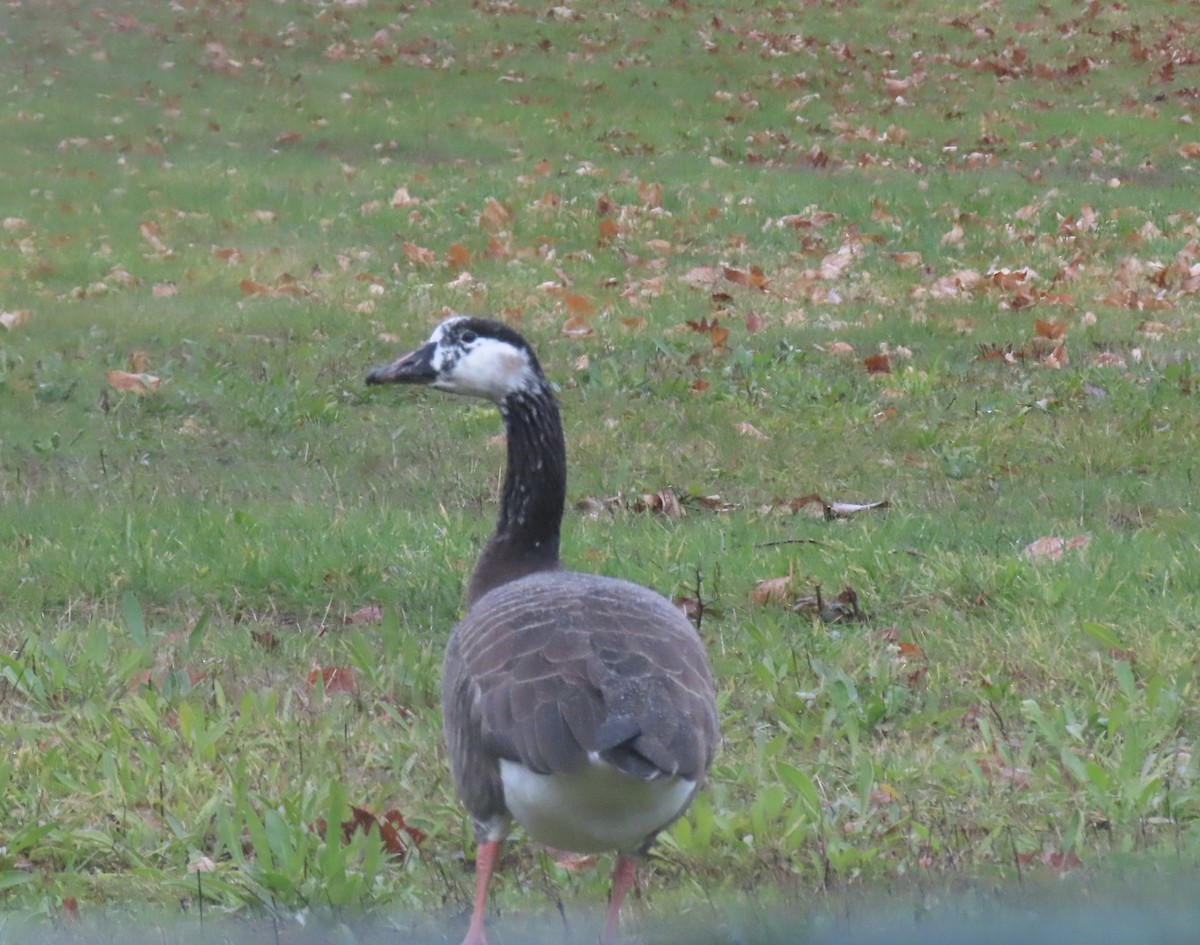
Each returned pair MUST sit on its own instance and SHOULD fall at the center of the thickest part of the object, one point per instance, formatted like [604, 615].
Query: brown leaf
[772, 590]
[335, 679]
[577, 326]
[908, 260]
[752, 278]
[878, 364]
[250, 287]
[1190, 150]
[458, 256]
[419, 255]
[665, 502]
[494, 216]
[751, 431]
[140, 384]
[1051, 548]
[609, 230]
[542, 167]
[754, 322]
[228, 254]
[138, 361]
[367, 614]
[70, 908]
[1052, 330]
[650, 195]
[702, 277]
[288, 137]
[15, 318]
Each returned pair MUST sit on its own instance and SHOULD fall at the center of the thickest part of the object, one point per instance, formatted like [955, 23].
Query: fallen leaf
[458, 256]
[495, 215]
[1190, 150]
[577, 326]
[878, 364]
[702, 277]
[15, 318]
[402, 198]
[335, 679]
[132, 383]
[665, 502]
[1051, 548]
[418, 255]
[772, 590]
[1051, 330]
[751, 431]
[609, 230]
[367, 614]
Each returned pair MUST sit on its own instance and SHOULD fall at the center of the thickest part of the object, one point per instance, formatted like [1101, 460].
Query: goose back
[557, 669]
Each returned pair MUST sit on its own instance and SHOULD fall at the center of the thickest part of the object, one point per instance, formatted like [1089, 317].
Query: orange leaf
[418, 255]
[650, 195]
[699, 386]
[250, 287]
[878, 364]
[494, 215]
[577, 327]
[458, 256]
[542, 167]
[138, 361]
[1051, 330]
[335, 679]
[608, 230]
[229, 254]
[578, 304]
[133, 383]
[1190, 151]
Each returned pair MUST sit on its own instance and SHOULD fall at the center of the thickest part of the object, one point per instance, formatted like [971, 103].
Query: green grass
[203, 192]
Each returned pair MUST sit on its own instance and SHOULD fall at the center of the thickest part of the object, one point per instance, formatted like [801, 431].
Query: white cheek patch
[490, 368]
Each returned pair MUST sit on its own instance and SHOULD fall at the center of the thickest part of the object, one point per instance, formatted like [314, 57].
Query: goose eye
[468, 336]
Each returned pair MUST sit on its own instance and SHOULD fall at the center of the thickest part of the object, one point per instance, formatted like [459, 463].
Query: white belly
[594, 809]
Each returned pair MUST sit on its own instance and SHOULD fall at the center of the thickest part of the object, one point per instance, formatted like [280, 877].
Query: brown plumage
[582, 706]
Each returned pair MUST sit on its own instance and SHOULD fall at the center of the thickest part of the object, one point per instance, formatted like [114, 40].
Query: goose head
[475, 357]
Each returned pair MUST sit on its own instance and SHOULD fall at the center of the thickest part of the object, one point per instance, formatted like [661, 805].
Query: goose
[577, 705]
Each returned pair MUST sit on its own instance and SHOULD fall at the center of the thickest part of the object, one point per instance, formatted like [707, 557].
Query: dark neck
[535, 488]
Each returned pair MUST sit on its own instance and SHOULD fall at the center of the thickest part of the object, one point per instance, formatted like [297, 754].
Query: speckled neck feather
[535, 487]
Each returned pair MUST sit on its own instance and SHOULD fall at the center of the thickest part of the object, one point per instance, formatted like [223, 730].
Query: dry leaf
[1190, 151]
[15, 318]
[402, 198]
[577, 326]
[702, 277]
[751, 431]
[609, 230]
[495, 215]
[458, 256]
[367, 614]
[1051, 548]
[418, 255]
[878, 364]
[132, 383]
[772, 590]
[335, 679]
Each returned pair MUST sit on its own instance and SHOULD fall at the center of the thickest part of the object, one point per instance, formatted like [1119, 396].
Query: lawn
[941, 260]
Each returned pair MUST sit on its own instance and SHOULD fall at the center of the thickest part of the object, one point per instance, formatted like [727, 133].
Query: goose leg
[485, 864]
[623, 876]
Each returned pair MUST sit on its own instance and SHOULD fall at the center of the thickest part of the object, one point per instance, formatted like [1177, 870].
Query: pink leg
[485, 864]
[623, 876]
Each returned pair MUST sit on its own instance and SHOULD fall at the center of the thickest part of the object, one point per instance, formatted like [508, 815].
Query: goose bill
[416, 367]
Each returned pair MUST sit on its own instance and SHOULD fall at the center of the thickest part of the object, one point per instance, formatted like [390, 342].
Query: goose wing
[554, 668]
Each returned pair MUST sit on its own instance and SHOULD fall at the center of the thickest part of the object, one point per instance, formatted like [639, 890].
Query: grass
[222, 603]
